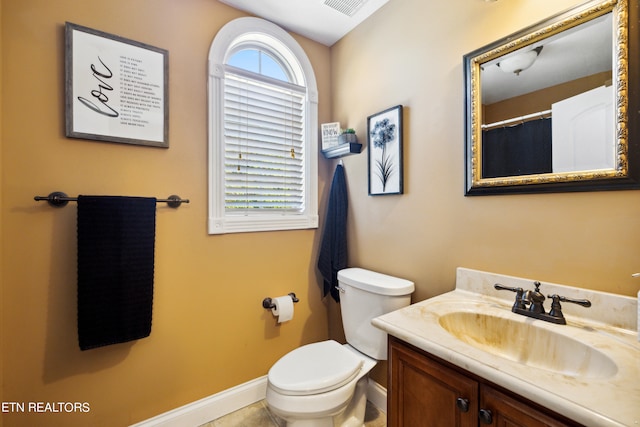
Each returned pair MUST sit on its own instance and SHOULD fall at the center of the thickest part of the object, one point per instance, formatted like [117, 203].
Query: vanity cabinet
[426, 391]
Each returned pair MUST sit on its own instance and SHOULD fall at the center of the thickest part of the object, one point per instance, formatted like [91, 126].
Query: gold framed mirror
[554, 107]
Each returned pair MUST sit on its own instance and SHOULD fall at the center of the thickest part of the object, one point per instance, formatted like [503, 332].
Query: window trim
[246, 32]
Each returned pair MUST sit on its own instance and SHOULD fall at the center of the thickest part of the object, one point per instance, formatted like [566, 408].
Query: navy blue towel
[333, 249]
[116, 237]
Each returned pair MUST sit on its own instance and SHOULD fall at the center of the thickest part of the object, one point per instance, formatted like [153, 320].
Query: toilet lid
[314, 368]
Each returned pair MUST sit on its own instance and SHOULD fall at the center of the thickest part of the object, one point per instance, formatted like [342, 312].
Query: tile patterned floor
[258, 415]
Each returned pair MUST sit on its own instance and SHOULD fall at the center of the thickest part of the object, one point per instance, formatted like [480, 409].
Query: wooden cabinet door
[509, 412]
[424, 393]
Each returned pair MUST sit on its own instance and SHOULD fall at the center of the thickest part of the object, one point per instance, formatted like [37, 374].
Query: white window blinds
[263, 144]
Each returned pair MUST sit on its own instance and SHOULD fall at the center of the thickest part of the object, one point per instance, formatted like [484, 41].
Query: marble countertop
[610, 326]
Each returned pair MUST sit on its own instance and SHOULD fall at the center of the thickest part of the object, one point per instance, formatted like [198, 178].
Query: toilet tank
[365, 294]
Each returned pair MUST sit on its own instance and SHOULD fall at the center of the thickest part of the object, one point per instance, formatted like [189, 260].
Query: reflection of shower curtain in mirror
[523, 149]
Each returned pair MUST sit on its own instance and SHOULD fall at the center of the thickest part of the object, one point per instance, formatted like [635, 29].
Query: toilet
[324, 384]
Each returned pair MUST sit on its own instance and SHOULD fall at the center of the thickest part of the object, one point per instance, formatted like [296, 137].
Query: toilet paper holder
[268, 302]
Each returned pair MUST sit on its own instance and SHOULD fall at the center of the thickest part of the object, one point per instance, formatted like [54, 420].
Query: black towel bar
[59, 199]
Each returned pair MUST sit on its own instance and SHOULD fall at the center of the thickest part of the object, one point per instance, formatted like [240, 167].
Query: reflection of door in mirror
[583, 131]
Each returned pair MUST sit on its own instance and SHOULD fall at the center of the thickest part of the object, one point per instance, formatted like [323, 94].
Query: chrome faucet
[531, 304]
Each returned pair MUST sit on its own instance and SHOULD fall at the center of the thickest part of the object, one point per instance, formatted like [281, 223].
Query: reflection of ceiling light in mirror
[520, 62]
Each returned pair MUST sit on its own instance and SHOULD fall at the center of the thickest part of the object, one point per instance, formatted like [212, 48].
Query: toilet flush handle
[341, 289]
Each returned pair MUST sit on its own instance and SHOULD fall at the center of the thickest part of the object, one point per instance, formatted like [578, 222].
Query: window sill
[245, 224]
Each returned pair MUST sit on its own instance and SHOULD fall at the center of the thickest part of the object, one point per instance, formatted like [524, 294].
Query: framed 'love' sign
[116, 89]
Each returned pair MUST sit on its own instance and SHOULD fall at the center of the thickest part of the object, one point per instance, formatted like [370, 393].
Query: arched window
[260, 62]
[263, 119]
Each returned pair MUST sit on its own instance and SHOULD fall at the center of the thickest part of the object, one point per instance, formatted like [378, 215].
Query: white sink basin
[527, 342]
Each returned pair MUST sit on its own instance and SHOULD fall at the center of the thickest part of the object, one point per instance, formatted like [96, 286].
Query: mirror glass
[546, 106]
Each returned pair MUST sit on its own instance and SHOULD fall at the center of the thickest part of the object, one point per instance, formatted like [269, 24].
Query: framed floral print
[384, 133]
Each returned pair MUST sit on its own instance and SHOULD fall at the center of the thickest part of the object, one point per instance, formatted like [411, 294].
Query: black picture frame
[116, 89]
[384, 137]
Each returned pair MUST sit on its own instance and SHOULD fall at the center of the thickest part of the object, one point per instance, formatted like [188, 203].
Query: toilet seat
[314, 368]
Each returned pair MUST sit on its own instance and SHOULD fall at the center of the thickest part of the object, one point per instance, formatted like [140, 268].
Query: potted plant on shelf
[347, 136]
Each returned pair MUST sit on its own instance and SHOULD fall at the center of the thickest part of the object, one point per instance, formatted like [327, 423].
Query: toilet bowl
[324, 384]
[320, 384]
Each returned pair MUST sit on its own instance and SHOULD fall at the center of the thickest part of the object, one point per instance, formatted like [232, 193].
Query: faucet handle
[556, 308]
[519, 303]
[582, 302]
[500, 287]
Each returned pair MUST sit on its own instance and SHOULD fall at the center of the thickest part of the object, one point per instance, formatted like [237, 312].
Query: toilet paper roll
[283, 309]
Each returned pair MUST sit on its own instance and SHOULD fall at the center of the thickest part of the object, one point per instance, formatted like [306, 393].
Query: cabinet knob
[462, 404]
[485, 416]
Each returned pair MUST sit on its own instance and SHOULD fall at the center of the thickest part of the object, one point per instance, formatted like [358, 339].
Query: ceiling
[325, 21]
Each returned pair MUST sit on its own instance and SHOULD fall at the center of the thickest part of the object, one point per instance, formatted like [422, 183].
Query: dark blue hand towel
[116, 237]
[333, 249]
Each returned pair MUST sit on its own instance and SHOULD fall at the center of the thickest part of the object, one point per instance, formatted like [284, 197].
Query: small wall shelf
[342, 150]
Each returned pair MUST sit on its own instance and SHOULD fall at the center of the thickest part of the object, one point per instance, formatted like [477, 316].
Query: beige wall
[210, 331]
[410, 53]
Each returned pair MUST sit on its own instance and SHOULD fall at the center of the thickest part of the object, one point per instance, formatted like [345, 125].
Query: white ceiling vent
[348, 7]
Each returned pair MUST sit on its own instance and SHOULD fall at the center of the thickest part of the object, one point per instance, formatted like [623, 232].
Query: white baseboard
[211, 407]
[230, 400]
[377, 395]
